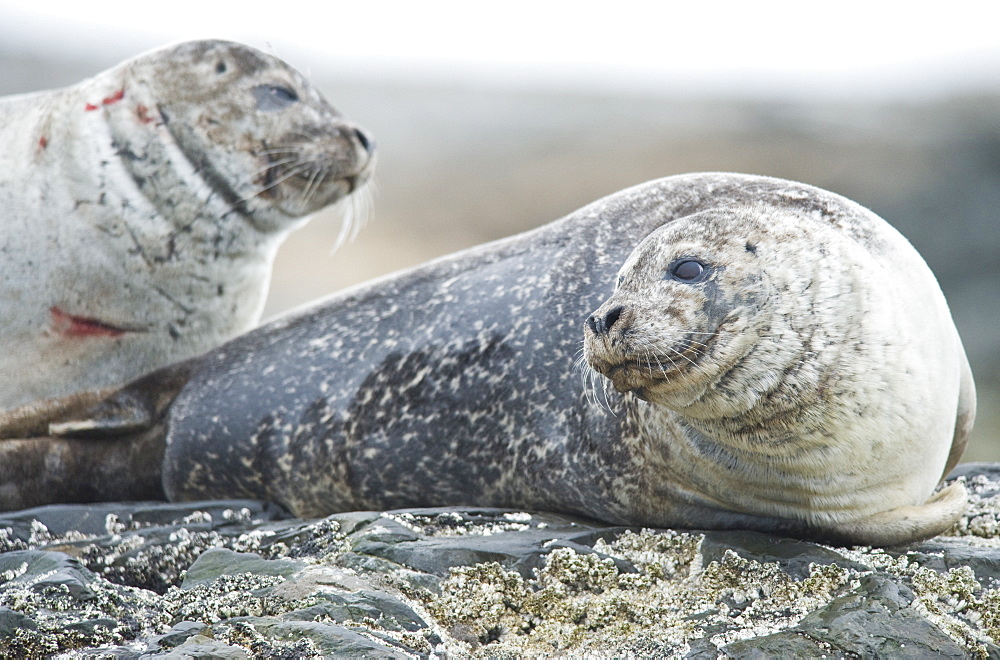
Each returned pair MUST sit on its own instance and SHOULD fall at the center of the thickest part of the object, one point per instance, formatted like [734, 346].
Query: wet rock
[794, 556]
[874, 621]
[179, 633]
[11, 621]
[240, 579]
[217, 562]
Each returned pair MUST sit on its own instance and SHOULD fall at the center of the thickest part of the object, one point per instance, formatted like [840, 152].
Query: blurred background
[493, 118]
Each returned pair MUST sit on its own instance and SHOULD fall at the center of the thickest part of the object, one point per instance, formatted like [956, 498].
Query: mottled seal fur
[453, 383]
[140, 210]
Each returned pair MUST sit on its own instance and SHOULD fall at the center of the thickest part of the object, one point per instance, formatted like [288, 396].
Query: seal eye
[688, 270]
[274, 97]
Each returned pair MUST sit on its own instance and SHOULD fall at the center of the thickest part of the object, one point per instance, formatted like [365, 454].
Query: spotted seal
[141, 210]
[737, 405]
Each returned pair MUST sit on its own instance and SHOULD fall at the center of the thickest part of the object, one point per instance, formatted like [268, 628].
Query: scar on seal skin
[776, 358]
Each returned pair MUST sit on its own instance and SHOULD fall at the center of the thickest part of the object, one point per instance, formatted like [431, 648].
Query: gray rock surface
[240, 579]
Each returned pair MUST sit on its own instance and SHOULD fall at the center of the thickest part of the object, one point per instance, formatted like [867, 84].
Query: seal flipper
[63, 450]
[133, 409]
[964, 418]
[32, 420]
[905, 524]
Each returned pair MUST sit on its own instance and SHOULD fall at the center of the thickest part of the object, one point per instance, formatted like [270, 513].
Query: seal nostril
[601, 326]
[363, 139]
[612, 317]
[593, 324]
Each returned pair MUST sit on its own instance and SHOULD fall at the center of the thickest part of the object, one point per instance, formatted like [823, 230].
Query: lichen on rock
[584, 603]
[239, 579]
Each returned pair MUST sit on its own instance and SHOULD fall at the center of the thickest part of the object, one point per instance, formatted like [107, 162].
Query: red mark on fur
[43, 142]
[69, 325]
[142, 112]
[114, 98]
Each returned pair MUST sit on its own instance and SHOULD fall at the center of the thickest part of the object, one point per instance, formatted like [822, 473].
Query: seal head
[683, 303]
[261, 135]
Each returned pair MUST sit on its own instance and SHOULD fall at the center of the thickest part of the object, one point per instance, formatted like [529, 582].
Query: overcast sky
[840, 48]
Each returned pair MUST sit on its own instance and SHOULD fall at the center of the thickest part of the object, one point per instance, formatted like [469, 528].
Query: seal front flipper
[91, 446]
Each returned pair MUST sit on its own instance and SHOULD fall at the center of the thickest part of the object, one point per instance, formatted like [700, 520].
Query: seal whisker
[295, 170]
[589, 390]
[587, 387]
[364, 203]
[590, 379]
[283, 155]
[649, 365]
[317, 178]
[605, 384]
[356, 214]
[663, 373]
[271, 165]
[588, 383]
[650, 350]
[292, 148]
[694, 365]
[291, 157]
[659, 364]
[697, 348]
[673, 365]
[275, 166]
[366, 198]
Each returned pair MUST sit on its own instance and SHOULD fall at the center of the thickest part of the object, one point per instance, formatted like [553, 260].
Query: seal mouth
[318, 179]
[634, 371]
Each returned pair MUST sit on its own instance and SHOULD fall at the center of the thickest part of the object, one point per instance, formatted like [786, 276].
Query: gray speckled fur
[454, 383]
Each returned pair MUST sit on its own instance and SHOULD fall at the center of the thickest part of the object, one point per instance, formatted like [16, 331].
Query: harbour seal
[804, 364]
[451, 384]
[140, 210]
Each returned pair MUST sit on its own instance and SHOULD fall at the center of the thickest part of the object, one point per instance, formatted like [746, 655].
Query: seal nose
[366, 142]
[602, 326]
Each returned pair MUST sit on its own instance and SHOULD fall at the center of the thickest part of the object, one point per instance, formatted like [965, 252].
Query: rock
[873, 621]
[180, 632]
[240, 579]
[217, 562]
[10, 621]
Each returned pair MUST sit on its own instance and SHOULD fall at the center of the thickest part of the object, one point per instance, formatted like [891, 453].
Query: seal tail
[100, 445]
